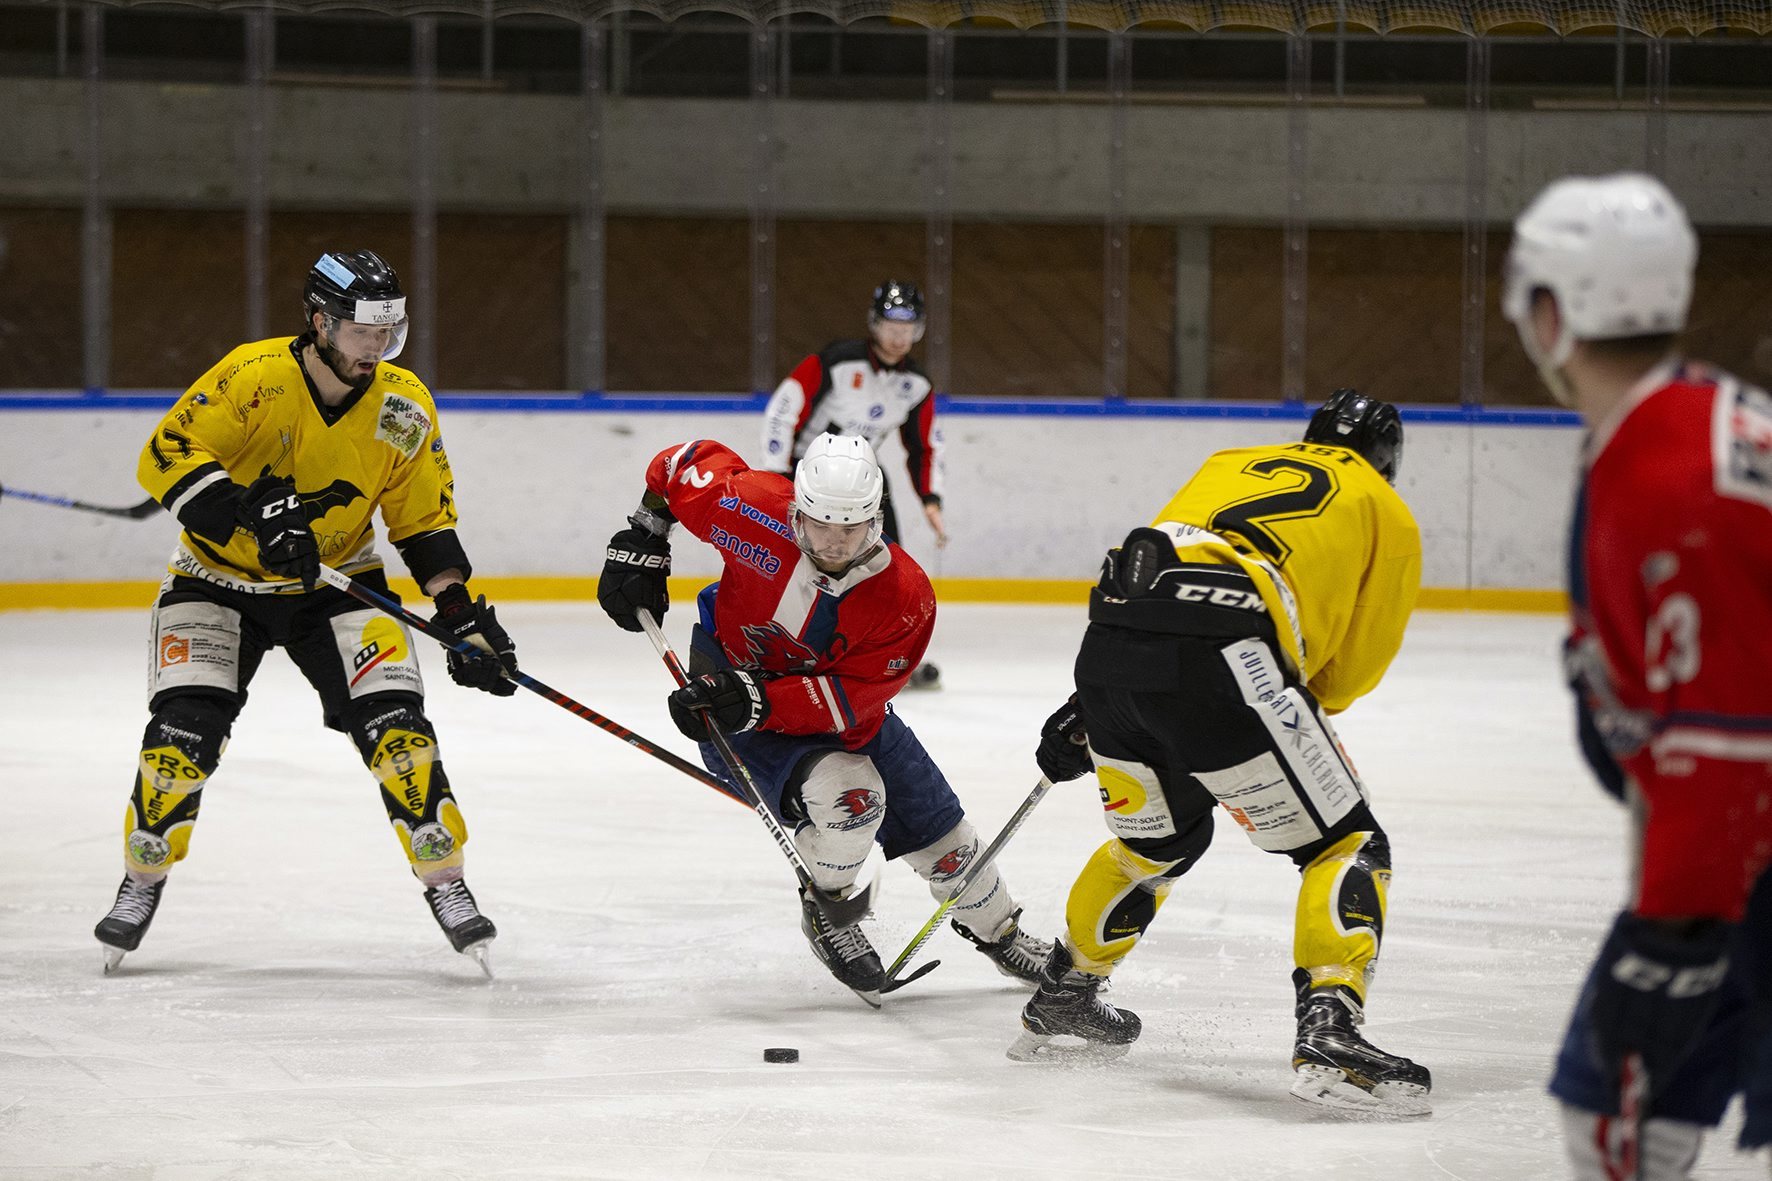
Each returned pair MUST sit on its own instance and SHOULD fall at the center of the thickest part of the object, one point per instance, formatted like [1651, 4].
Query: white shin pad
[985, 907]
[1599, 1147]
[845, 802]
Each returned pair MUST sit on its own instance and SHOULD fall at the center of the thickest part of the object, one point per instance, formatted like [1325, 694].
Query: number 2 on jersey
[1251, 517]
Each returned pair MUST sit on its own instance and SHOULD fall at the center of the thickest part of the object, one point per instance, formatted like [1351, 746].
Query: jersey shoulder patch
[1742, 442]
[402, 423]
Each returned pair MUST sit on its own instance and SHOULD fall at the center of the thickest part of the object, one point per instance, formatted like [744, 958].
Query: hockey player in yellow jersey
[1271, 591]
[274, 461]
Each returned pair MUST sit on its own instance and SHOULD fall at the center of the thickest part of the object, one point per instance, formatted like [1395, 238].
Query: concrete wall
[181, 145]
[1029, 497]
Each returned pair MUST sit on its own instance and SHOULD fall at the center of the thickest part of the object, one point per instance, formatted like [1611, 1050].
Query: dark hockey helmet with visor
[359, 286]
[897, 302]
[1373, 428]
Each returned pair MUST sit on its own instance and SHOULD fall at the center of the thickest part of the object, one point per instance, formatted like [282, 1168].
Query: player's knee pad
[1116, 898]
[181, 747]
[400, 749]
[1340, 920]
[985, 907]
[1605, 1148]
[842, 802]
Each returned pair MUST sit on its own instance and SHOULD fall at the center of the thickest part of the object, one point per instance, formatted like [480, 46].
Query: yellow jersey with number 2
[1332, 547]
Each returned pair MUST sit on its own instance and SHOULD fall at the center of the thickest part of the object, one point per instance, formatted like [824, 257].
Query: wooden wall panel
[40, 333]
[679, 313]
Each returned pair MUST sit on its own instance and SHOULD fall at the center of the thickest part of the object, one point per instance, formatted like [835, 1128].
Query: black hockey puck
[781, 1054]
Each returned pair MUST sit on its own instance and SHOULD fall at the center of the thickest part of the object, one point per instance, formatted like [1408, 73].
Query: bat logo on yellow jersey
[337, 494]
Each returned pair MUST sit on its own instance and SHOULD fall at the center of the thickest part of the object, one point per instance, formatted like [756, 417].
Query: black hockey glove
[1651, 995]
[732, 697]
[1063, 752]
[475, 622]
[271, 511]
[635, 567]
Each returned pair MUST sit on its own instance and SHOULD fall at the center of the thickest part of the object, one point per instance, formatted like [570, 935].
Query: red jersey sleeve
[692, 477]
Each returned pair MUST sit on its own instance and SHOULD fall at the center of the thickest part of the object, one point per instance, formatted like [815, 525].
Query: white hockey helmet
[838, 487]
[1617, 253]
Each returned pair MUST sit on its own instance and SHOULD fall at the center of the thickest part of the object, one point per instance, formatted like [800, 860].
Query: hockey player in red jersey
[869, 388]
[811, 631]
[1670, 587]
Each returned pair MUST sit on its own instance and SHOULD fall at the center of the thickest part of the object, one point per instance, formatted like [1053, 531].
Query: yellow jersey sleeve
[420, 495]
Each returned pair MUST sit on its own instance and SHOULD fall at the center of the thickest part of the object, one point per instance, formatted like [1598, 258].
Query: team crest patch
[403, 423]
[1744, 444]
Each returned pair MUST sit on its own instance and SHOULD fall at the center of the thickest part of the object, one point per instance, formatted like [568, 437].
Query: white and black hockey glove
[474, 622]
[733, 698]
[272, 511]
[635, 569]
[1064, 747]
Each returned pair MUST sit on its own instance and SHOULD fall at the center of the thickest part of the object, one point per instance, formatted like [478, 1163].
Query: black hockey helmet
[357, 285]
[1353, 420]
[897, 302]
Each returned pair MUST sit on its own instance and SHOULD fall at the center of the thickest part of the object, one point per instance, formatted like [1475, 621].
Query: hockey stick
[842, 912]
[135, 512]
[358, 591]
[1016, 820]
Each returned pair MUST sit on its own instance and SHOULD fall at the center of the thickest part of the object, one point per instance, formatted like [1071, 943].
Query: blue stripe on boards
[624, 403]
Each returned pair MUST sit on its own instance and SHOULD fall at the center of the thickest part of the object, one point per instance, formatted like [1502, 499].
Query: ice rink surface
[295, 1013]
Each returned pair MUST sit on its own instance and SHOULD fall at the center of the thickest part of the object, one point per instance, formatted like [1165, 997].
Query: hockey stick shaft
[833, 908]
[135, 512]
[1016, 820]
[363, 594]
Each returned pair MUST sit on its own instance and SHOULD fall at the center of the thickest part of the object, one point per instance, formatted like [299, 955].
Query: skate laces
[453, 904]
[848, 942]
[135, 902]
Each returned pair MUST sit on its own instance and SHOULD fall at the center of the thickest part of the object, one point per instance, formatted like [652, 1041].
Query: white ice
[295, 1013]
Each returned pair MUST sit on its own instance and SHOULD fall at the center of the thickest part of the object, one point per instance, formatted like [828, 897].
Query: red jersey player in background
[811, 631]
[869, 388]
[1670, 586]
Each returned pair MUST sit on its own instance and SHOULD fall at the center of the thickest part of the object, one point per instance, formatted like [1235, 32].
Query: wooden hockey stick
[1016, 820]
[135, 512]
[358, 591]
[841, 912]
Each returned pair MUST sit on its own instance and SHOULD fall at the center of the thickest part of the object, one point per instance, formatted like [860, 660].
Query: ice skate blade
[1041, 1047]
[870, 995]
[479, 953]
[1325, 1086]
[113, 957]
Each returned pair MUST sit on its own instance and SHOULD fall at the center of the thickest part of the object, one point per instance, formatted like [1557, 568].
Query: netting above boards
[1655, 18]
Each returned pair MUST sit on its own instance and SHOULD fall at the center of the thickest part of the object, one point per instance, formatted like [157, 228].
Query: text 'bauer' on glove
[732, 697]
[635, 569]
[473, 621]
[272, 512]
[1064, 747]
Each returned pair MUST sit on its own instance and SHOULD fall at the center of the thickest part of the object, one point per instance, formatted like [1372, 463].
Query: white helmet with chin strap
[839, 482]
[1615, 251]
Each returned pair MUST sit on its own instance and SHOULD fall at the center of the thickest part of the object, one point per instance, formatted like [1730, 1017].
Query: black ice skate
[844, 950]
[121, 931]
[1066, 1005]
[1017, 954]
[469, 931]
[924, 676]
[1336, 1067]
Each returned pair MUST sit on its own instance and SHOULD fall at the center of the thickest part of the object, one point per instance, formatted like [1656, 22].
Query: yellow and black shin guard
[403, 757]
[1340, 919]
[162, 810]
[1114, 899]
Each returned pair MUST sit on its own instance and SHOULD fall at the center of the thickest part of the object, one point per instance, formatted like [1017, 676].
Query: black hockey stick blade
[895, 985]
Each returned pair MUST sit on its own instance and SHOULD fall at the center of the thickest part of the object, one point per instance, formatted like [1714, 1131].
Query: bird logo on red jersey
[769, 646]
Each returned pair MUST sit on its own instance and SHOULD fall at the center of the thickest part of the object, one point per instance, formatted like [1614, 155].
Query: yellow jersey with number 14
[1332, 547]
[256, 413]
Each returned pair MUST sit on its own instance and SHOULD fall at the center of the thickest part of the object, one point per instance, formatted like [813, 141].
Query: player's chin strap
[841, 912]
[358, 591]
[979, 865]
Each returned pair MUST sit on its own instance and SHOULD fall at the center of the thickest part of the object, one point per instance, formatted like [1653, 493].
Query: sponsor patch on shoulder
[1743, 453]
[403, 424]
